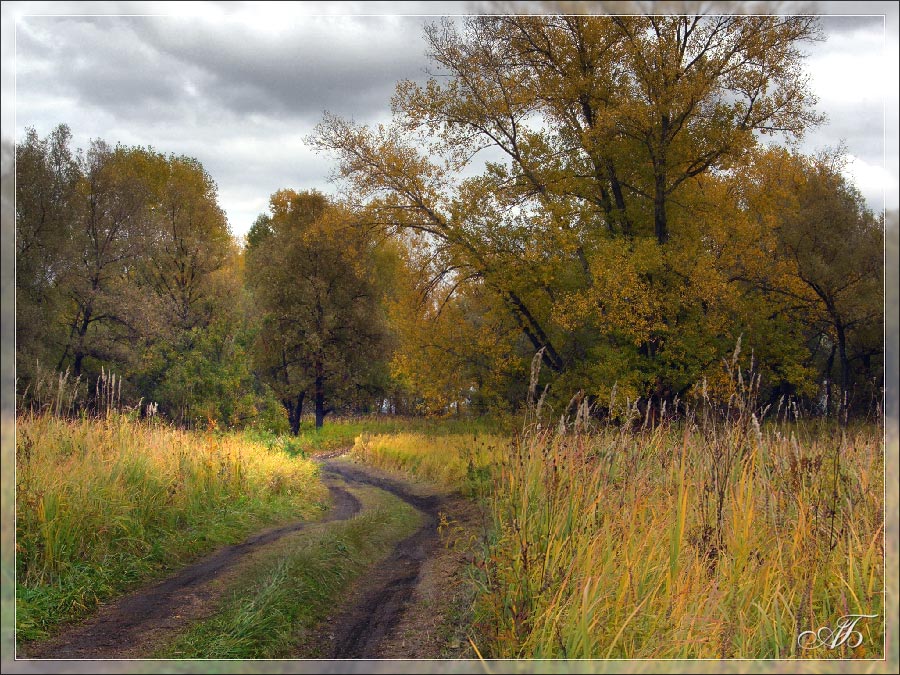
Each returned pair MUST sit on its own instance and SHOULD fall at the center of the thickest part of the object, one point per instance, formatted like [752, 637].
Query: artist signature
[832, 638]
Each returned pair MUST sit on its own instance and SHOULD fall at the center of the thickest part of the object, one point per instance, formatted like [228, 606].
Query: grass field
[684, 542]
[711, 540]
[104, 505]
[699, 539]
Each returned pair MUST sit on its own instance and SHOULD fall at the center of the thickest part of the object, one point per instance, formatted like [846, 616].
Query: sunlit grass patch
[458, 461]
[340, 433]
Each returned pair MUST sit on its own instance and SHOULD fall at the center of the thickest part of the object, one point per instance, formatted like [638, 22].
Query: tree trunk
[81, 332]
[297, 413]
[534, 332]
[845, 368]
[76, 366]
[660, 226]
[828, 378]
[320, 396]
[621, 216]
[78, 350]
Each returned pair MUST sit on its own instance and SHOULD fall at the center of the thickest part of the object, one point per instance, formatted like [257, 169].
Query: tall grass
[104, 504]
[683, 542]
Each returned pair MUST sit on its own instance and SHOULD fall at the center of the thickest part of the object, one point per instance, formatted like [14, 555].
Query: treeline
[125, 263]
[636, 231]
[132, 292]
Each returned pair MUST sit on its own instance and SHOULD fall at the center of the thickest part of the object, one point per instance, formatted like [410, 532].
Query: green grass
[105, 505]
[285, 593]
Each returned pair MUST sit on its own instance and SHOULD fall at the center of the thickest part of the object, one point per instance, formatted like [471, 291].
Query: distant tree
[837, 245]
[892, 330]
[125, 262]
[108, 236]
[310, 270]
[191, 240]
[189, 277]
[47, 176]
[455, 350]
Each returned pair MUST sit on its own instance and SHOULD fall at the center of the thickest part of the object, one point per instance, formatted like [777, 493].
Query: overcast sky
[239, 85]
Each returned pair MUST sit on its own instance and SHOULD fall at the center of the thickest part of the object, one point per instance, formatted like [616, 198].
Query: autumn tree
[591, 230]
[309, 268]
[102, 305]
[891, 328]
[837, 245]
[824, 258]
[191, 240]
[452, 350]
[194, 365]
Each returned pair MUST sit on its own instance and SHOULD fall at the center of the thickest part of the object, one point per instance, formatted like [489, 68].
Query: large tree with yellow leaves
[614, 144]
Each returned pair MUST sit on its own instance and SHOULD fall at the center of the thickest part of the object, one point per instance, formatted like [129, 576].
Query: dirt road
[370, 617]
[365, 624]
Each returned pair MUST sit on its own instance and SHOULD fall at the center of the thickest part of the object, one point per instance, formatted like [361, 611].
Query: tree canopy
[311, 270]
[624, 144]
[638, 214]
[125, 261]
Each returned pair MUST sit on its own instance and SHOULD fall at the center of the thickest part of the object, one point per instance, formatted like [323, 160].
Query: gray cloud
[141, 67]
[97, 62]
[347, 65]
[239, 87]
[235, 96]
[849, 23]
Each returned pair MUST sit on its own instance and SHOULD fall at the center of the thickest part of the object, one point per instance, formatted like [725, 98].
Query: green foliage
[203, 377]
[126, 265]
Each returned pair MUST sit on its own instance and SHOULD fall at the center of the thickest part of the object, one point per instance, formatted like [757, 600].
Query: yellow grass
[449, 460]
[716, 540]
[613, 544]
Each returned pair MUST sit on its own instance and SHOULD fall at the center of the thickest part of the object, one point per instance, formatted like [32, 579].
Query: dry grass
[649, 545]
[712, 537]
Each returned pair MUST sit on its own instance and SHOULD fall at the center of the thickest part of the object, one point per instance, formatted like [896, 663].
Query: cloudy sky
[239, 85]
